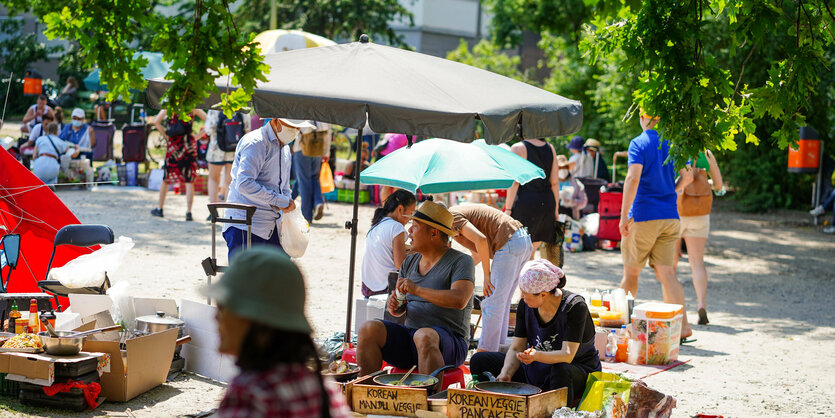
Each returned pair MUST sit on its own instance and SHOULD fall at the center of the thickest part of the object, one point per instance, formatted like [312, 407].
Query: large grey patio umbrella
[399, 91]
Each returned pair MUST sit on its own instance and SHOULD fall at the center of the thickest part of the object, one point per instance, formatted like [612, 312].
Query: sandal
[687, 340]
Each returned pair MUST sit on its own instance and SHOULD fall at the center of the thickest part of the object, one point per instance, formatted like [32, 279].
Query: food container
[656, 333]
[611, 319]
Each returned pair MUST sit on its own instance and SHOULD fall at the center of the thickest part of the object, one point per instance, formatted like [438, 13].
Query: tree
[17, 52]
[200, 47]
[333, 19]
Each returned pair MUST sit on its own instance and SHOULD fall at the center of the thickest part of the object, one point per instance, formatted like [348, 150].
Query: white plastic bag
[89, 270]
[294, 234]
[122, 309]
[590, 223]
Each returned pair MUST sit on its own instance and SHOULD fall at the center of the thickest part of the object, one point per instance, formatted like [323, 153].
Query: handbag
[697, 199]
[553, 250]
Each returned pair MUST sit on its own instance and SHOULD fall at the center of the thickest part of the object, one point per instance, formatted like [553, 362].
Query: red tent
[29, 208]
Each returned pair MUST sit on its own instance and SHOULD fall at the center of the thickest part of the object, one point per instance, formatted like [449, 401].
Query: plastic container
[656, 333]
[611, 346]
[623, 345]
[611, 319]
[596, 298]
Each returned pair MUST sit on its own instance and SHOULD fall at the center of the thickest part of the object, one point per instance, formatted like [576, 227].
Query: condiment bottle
[34, 323]
[14, 315]
[607, 300]
[48, 316]
[623, 345]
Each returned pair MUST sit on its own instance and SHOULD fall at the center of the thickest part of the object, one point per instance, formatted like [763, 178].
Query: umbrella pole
[353, 226]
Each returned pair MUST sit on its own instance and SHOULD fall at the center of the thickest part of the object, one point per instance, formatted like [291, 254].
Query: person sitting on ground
[490, 234]
[350, 169]
[34, 115]
[36, 132]
[80, 133]
[553, 342]
[385, 243]
[261, 322]
[573, 196]
[437, 282]
[48, 150]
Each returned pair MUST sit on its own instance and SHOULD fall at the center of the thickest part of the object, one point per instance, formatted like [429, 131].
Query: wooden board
[465, 403]
[542, 405]
[387, 400]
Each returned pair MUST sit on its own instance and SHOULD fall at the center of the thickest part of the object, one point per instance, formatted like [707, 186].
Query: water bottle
[611, 346]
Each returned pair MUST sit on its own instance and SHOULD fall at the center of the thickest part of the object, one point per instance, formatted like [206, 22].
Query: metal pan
[416, 381]
[506, 388]
[343, 377]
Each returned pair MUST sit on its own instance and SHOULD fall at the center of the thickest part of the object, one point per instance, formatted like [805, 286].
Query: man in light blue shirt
[261, 177]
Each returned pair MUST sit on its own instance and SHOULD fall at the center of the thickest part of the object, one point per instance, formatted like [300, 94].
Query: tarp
[29, 208]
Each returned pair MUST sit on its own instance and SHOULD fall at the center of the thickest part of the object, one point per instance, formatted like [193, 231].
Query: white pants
[46, 169]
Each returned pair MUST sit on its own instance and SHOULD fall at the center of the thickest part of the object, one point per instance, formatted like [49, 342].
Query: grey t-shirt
[453, 266]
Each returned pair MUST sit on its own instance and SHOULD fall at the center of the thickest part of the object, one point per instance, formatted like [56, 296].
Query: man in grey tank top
[437, 283]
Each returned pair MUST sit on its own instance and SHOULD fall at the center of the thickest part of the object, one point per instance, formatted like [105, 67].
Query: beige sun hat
[436, 216]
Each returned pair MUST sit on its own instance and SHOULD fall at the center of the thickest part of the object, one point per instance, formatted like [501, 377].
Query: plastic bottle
[596, 299]
[630, 303]
[14, 315]
[611, 346]
[34, 323]
[607, 300]
[623, 345]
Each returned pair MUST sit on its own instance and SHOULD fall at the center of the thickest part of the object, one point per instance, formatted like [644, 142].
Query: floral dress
[181, 156]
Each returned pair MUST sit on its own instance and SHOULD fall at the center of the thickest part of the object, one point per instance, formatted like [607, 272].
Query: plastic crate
[331, 196]
[365, 197]
[8, 387]
[345, 195]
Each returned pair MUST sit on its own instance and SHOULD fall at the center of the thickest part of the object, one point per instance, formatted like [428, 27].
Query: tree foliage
[333, 19]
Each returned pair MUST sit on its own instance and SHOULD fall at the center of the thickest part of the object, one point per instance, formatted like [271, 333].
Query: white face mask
[287, 134]
[563, 173]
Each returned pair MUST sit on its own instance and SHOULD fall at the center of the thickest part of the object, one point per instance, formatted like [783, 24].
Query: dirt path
[764, 353]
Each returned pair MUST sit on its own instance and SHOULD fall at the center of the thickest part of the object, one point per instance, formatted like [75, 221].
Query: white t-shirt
[379, 253]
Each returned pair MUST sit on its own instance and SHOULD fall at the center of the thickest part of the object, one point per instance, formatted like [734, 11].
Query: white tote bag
[295, 232]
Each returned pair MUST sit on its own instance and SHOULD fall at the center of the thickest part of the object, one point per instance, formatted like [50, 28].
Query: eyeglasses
[77, 118]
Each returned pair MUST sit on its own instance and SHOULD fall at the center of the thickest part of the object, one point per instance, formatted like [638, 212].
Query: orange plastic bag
[326, 179]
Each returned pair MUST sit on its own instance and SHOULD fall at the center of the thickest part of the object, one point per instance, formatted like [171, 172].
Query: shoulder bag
[697, 198]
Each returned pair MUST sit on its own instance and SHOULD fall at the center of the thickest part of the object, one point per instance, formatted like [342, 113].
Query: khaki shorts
[654, 240]
[695, 226]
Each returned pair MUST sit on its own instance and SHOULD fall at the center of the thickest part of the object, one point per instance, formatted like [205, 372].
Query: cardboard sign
[388, 400]
[471, 403]
[464, 403]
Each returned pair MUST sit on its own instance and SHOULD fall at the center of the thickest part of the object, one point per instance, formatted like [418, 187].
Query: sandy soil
[769, 301]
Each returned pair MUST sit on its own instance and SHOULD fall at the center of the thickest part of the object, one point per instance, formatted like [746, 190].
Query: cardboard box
[39, 369]
[145, 364]
[474, 403]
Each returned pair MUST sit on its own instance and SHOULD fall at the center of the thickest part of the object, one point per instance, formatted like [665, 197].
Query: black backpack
[229, 131]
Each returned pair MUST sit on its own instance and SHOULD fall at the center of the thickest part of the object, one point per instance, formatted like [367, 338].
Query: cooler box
[656, 333]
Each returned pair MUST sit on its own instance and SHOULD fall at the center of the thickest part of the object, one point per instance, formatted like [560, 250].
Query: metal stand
[209, 264]
[352, 225]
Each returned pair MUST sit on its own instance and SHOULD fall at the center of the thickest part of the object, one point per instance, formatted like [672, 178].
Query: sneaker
[189, 217]
[829, 230]
[156, 212]
[818, 211]
[319, 211]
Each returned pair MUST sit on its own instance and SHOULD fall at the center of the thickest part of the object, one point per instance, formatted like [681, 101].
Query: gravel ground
[763, 353]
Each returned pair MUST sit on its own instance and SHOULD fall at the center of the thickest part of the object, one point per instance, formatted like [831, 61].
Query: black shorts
[400, 350]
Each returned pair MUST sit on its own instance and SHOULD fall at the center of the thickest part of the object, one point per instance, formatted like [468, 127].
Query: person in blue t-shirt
[649, 223]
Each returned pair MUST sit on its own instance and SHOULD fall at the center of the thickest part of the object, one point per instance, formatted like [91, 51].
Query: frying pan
[428, 380]
[343, 377]
[506, 388]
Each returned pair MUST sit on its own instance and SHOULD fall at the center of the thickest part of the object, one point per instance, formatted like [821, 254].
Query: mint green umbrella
[442, 165]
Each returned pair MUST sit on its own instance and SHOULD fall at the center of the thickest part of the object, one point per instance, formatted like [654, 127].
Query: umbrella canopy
[279, 40]
[401, 91]
[29, 208]
[156, 68]
[439, 166]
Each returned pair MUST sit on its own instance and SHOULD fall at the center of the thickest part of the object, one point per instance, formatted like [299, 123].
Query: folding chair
[79, 236]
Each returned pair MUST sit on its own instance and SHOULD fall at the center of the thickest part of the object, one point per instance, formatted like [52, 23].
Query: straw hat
[592, 143]
[561, 161]
[436, 216]
[264, 285]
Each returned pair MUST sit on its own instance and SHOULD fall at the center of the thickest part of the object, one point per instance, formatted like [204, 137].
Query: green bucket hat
[264, 285]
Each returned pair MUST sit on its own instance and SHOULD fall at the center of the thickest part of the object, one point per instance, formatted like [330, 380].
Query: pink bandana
[539, 276]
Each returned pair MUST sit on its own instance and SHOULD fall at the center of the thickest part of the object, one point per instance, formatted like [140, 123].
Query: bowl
[63, 345]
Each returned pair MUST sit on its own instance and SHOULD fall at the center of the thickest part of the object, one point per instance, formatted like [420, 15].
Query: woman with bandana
[553, 344]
